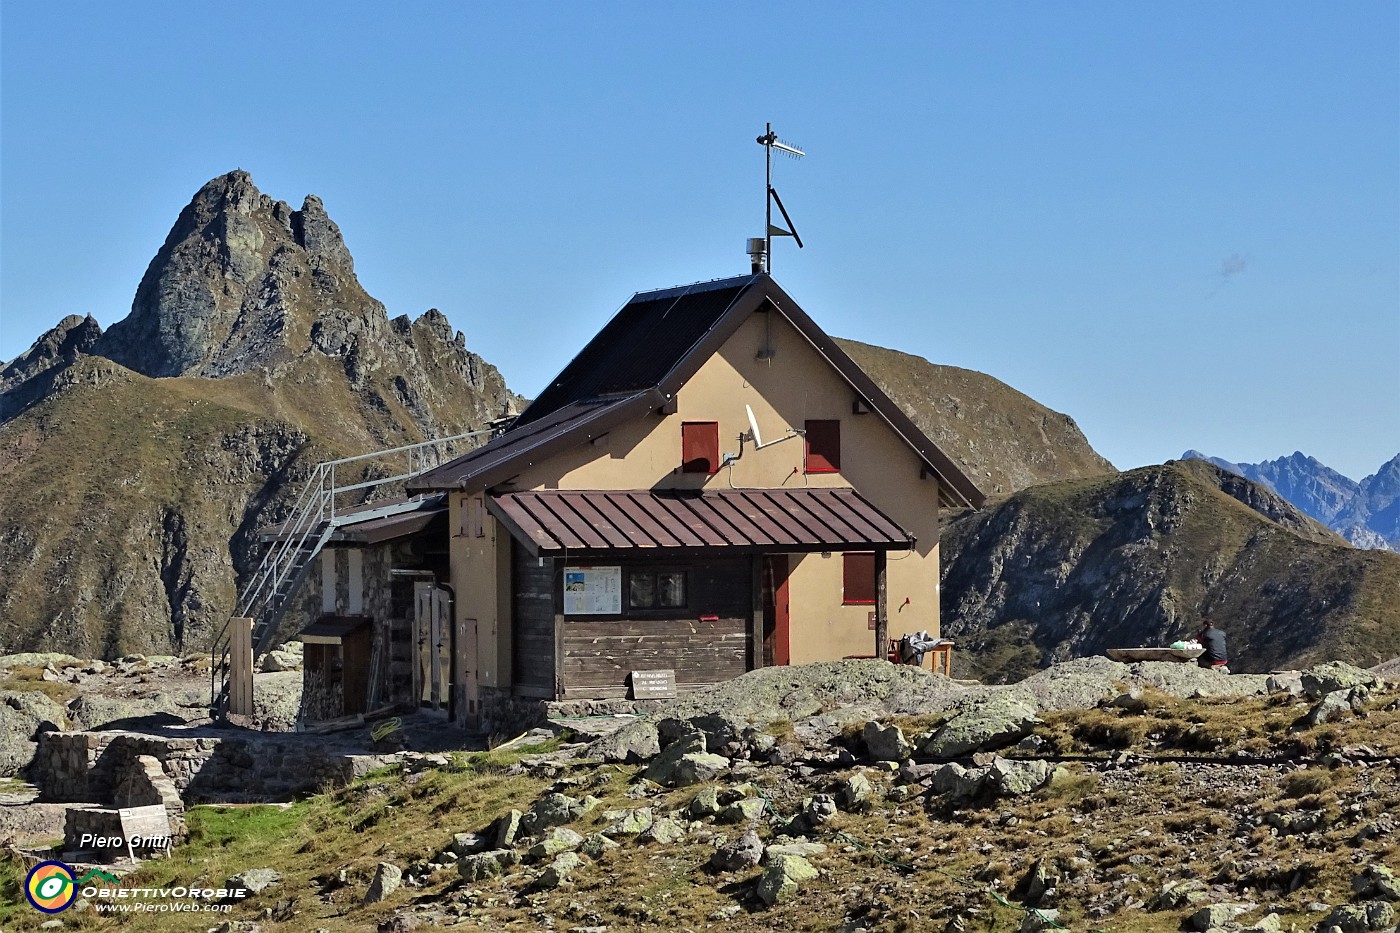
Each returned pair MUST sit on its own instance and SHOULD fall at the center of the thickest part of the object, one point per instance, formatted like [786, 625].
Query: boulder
[558, 871]
[551, 810]
[1177, 894]
[275, 661]
[1334, 706]
[959, 782]
[1038, 879]
[628, 822]
[698, 767]
[1269, 923]
[466, 843]
[885, 743]
[663, 769]
[706, 803]
[596, 844]
[721, 731]
[1038, 921]
[1214, 915]
[1360, 918]
[506, 829]
[633, 743]
[387, 877]
[664, 831]
[1376, 882]
[1013, 778]
[485, 864]
[22, 715]
[744, 852]
[742, 811]
[38, 659]
[855, 792]
[1336, 675]
[782, 877]
[254, 880]
[804, 849]
[1289, 682]
[557, 840]
[999, 720]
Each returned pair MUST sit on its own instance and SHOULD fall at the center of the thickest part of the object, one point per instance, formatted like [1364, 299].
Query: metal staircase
[288, 560]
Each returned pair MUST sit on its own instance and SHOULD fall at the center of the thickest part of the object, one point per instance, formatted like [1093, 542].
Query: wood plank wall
[532, 606]
[600, 651]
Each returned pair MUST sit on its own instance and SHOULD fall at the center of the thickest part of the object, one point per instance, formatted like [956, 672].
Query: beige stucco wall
[791, 385]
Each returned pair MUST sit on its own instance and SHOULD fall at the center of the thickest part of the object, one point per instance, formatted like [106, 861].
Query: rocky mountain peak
[239, 284]
[1367, 513]
[28, 375]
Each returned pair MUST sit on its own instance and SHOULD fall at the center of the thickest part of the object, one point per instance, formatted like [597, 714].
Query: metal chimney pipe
[758, 254]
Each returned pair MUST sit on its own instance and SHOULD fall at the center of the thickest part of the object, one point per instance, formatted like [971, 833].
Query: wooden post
[882, 611]
[240, 666]
[561, 689]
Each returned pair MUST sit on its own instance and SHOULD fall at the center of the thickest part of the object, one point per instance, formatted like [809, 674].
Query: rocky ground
[57, 691]
[864, 796]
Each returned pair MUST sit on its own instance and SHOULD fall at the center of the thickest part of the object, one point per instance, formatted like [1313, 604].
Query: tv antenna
[764, 262]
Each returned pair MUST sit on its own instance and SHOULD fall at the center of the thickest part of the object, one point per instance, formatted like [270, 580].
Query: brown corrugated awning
[664, 521]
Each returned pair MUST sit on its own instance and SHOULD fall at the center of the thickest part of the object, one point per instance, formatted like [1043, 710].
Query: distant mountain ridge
[1068, 569]
[1366, 513]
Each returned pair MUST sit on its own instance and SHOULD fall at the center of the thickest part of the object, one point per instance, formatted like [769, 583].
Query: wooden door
[775, 610]
[430, 635]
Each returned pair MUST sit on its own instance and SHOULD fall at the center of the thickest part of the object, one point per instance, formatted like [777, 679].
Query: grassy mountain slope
[1073, 568]
[1003, 439]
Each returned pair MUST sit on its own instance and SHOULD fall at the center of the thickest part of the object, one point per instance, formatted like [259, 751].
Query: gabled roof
[638, 362]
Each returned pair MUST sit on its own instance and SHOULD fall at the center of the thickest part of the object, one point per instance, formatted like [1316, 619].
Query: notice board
[592, 590]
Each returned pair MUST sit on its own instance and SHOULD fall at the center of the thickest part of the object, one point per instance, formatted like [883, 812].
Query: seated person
[1213, 639]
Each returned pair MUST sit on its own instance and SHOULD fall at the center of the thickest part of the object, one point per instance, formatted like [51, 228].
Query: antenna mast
[769, 141]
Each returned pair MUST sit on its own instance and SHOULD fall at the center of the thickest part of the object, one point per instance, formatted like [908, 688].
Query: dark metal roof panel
[640, 345]
[731, 519]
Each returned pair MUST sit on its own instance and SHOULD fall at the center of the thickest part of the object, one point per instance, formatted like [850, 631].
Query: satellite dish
[753, 427]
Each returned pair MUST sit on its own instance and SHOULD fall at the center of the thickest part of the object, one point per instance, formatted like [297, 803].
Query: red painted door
[775, 610]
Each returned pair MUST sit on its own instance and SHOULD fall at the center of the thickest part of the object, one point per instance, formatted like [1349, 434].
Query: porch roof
[660, 522]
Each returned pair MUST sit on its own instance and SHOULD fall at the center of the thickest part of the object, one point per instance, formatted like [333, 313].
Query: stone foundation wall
[568, 709]
[504, 713]
[93, 766]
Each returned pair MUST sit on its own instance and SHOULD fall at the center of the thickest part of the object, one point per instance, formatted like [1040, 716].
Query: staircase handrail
[313, 512]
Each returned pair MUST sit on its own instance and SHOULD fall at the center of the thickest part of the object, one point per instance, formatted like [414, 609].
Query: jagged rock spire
[239, 284]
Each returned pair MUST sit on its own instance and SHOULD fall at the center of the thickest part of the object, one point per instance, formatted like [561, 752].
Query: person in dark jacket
[1213, 639]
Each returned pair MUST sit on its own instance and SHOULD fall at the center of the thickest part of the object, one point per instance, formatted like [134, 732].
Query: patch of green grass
[31, 680]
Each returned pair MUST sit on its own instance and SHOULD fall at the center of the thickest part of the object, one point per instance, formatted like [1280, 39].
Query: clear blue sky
[1179, 223]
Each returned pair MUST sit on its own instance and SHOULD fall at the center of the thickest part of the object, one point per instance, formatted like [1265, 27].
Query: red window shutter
[700, 447]
[858, 578]
[823, 446]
